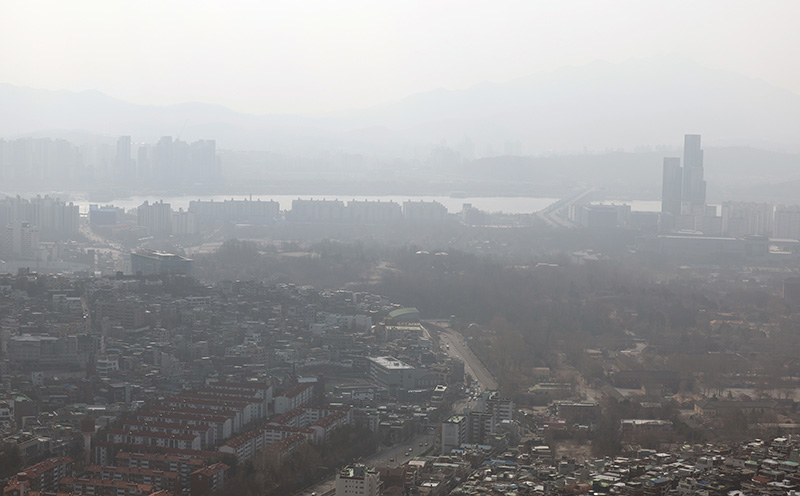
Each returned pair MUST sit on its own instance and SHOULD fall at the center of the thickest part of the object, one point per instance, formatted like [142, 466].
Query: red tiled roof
[167, 425]
[287, 428]
[242, 439]
[154, 435]
[88, 481]
[243, 395]
[331, 419]
[286, 443]
[242, 385]
[143, 448]
[297, 390]
[132, 470]
[160, 457]
[209, 414]
[191, 399]
[43, 466]
[212, 469]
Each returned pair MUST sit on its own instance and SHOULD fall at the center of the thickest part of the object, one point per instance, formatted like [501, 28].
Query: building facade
[357, 480]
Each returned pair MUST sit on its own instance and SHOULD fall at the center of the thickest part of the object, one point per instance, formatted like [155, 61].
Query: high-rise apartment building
[683, 192]
[671, 187]
[204, 162]
[694, 185]
[143, 163]
[51, 215]
[21, 241]
[424, 212]
[787, 222]
[741, 219]
[318, 210]
[252, 212]
[184, 223]
[155, 217]
[373, 212]
[122, 161]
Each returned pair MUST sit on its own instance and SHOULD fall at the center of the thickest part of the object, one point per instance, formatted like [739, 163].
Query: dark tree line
[309, 463]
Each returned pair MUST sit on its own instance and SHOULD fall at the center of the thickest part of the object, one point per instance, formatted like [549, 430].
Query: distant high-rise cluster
[45, 162]
[683, 189]
[787, 222]
[21, 241]
[42, 161]
[53, 216]
[158, 218]
[124, 164]
[23, 221]
[748, 219]
[172, 163]
[684, 208]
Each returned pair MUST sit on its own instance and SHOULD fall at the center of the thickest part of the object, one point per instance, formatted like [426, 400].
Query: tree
[10, 461]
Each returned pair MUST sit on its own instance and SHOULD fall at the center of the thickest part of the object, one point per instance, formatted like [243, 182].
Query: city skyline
[399, 248]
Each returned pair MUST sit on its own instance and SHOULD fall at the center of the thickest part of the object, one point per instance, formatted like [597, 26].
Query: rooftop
[390, 362]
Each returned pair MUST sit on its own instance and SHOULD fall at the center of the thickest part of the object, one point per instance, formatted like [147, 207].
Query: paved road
[119, 254]
[472, 365]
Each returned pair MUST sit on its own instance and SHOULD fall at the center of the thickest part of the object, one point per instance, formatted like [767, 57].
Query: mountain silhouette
[595, 107]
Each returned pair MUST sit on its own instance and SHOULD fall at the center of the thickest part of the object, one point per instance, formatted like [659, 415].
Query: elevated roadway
[557, 214]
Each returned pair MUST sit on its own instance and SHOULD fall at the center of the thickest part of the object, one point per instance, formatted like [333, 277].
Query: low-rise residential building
[357, 480]
[159, 479]
[295, 397]
[155, 439]
[208, 479]
[43, 476]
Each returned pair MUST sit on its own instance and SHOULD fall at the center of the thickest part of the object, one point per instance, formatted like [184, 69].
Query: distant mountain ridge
[595, 107]
[616, 105]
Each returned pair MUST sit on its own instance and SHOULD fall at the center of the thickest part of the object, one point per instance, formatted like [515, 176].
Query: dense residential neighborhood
[140, 384]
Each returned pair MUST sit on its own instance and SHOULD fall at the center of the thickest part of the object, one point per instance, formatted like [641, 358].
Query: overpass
[557, 214]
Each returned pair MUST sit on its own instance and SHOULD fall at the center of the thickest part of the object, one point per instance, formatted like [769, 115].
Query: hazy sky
[311, 56]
